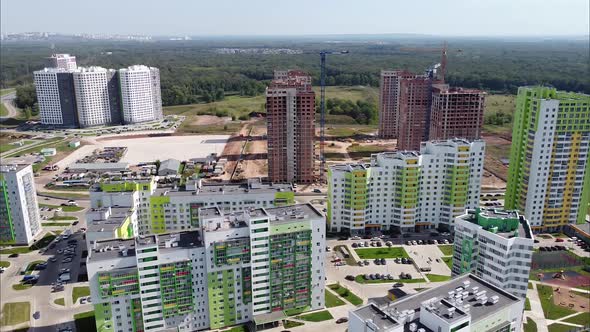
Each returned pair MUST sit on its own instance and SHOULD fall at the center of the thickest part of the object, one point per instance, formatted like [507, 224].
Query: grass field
[350, 130]
[6, 91]
[449, 261]
[346, 294]
[64, 195]
[551, 310]
[4, 264]
[56, 224]
[500, 104]
[42, 243]
[560, 328]
[57, 218]
[79, 292]
[240, 328]
[582, 319]
[446, 249]
[361, 280]
[15, 313]
[332, 300]
[289, 324]
[527, 304]
[530, 325]
[437, 277]
[357, 151]
[19, 286]
[319, 316]
[63, 208]
[383, 252]
[61, 301]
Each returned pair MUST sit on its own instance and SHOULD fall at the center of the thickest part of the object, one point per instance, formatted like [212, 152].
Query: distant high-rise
[290, 109]
[64, 61]
[549, 171]
[140, 94]
[414, 112]
[56, 97]
[92, 96]
[389, 88]
[456, 112]
[20, 221]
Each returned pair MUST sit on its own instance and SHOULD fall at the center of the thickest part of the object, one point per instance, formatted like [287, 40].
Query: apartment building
[290, 109]
[93, 96]
[467, 304]
[56, 97]
[62, 61]
[238, 267]
[20, 221]
[495, 245]
[406, 191]
[389, 93]
[456, 112]
[139, 85]
[414, 112]
[166, 209]
[549, 171]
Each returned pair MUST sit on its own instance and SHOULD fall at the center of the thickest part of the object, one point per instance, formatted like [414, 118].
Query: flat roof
[292, 213]
[99, 166]
[349, 167]
[438, 300]
[113, 221]
[227, 189]
[521, 230]
[9, 167]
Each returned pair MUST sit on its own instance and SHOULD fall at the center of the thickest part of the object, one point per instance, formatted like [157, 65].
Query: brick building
[389, 101]
[456, 112]
[290, 109]
[414, 112]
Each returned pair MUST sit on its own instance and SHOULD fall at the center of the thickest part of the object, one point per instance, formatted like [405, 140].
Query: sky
[300, 17]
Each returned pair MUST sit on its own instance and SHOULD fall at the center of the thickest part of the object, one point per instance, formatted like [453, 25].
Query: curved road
[8, 101]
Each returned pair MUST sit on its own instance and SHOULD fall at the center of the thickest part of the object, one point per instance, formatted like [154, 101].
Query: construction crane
[323, 109]
[443, 61]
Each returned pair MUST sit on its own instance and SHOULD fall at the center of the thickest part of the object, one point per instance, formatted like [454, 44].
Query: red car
[559, 240]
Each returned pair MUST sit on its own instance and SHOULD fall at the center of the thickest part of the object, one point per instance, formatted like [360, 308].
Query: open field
[178, 147]
[79, 292]
[3, 110]
[382, 252]
[503, 104]
[15, 313]
[350, 130]
[551, 310]
[67, 208]
[446, 249]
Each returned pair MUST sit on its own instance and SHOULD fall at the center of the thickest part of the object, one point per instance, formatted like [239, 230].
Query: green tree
[26, 96]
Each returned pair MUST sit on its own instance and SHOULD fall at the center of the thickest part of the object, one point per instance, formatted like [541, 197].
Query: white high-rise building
[64, 61]
[406, 191]
[497, 246]
[56, 97]
[20, 221]
[92, 95]
[140, 94]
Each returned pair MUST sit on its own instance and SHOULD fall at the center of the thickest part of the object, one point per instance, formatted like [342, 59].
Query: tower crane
[323, 109]
[443, 61]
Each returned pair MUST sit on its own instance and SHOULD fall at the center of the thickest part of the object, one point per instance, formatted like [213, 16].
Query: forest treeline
[192, 72]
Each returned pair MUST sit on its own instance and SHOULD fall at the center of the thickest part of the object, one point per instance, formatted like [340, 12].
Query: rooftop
[293, 213]
[114, 220]
[464, 296]
[228, 189]
[505, 223]
[6, 167]
[349, 167]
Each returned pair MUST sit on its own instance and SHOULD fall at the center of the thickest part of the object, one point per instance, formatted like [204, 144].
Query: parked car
[349, 277]
[559, 240]
[366, 262]
[383, 261]
[398, 284]
[341, 320]
[15, 255]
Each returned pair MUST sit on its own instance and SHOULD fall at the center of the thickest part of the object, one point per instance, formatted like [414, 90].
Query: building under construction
[290, 109]
[456, 112]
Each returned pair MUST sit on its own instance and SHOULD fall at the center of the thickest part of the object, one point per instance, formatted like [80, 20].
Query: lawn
[63, 195]
[3, 110]
[239, 328]
[288, 324]
[437, 277]
[560, 328]
[446, 249]
[530, 325]
[319, 316]
[56, 224]
[19, 287]
[560, 235]
[61, 301]
[85, 321]
[295, 311]
[582, 319]
[449, 261]
[63, 218]
[6, 91]
[527, 304]
[332, 300]
[4, 264]
[42, 243]
[551, 310]
[67, 208]
[346, 294]
[357, 151]
[79, 292]
[15, 313]
[350, 130]
[499, 104]
[382, 252]
[530, 285]
[361, 280]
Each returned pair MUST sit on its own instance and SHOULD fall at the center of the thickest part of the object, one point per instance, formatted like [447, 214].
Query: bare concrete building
[414, 112]
[389, 88]
[290, 109]
[456, 113]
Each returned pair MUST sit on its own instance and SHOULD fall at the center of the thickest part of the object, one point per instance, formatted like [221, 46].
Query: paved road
[40, 295]
[8, 101]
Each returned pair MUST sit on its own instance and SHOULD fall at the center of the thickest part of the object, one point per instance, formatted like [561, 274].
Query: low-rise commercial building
[239, 267]
[406, 191]
[497, 246]
[20, 221]
[466, 304]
